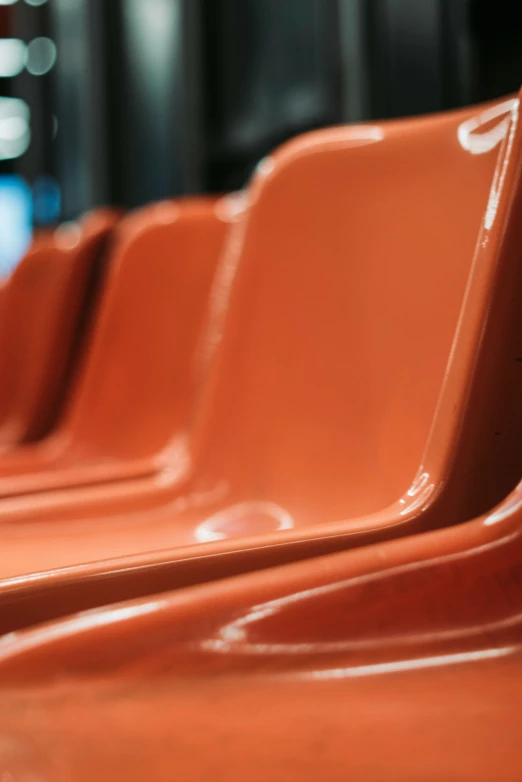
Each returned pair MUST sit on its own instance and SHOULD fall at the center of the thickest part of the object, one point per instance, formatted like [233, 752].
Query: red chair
[44, 313]
[137, 383]
[324, 394]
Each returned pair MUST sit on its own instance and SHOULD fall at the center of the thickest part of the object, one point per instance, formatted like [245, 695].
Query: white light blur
[41, 56]
[35, 2]
[8, 2]
[13, 57]
[15, 132]
[13, 128]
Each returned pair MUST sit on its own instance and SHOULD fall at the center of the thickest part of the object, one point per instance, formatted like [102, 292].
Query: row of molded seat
[134, 387]
[357, 378]
[326, 368]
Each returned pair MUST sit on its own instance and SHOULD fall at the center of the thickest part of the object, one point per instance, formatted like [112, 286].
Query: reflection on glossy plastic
[251, 518]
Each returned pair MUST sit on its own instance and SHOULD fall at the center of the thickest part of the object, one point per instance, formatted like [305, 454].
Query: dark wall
[157, 98]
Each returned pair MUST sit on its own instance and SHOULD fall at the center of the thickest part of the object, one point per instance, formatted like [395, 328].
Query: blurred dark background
[127, 101]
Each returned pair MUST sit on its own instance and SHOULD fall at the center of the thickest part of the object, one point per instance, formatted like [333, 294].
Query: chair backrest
[343, 310]
[138, 383]
[43, 311]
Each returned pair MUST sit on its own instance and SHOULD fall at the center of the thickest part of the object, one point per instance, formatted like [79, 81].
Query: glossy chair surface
[454, 722]
[44, 308]
[138, 381]
[400, 660]
[371, 284]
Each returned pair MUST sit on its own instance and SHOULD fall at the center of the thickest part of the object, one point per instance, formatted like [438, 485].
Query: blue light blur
[46, 200]
[15, 221]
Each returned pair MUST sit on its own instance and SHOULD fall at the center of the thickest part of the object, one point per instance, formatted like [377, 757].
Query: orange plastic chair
[136, 387]
[44, 313]
[323, 425]
[406, 655]
[458, 722]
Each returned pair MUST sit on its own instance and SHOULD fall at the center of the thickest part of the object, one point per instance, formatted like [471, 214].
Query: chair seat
[404, 656]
